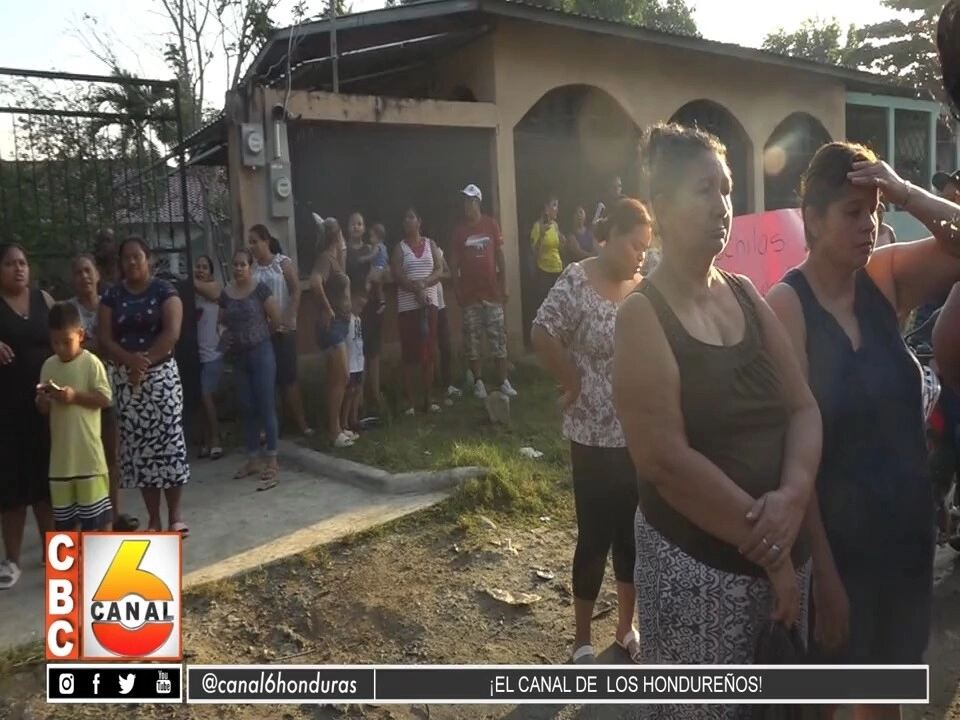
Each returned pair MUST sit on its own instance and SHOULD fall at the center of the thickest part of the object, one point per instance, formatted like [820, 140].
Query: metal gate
[81, 153]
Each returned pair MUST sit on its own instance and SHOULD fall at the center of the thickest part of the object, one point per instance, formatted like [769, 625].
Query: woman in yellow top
[546, 240]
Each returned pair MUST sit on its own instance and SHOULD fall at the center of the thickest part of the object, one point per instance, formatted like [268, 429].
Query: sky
[43, 34]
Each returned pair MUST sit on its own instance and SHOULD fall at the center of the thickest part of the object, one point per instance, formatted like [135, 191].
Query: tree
[343, 8]
[198, 32]
[672, 16]
[905, 46]
[70, 171]
[816, 39]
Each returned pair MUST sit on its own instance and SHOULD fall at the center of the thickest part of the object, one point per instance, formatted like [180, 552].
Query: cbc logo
[66, 684]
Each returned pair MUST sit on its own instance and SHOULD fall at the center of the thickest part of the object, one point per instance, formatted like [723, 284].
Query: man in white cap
[480, 282]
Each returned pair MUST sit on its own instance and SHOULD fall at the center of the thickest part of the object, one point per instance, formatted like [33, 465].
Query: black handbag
[777, 645]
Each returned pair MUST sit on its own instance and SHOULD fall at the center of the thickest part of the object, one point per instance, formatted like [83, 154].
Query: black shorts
[356, 381]
[372, 324]
[285, 352]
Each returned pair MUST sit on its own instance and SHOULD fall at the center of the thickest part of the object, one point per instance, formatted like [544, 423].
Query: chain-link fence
[80, 153]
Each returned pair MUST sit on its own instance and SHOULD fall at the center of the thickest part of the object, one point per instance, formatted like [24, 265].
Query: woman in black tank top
[723, 431]
[24, 432]
[872, 529]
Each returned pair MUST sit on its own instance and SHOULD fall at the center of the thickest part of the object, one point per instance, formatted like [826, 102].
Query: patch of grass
[464, 436]
[220, 590]
[17, 658]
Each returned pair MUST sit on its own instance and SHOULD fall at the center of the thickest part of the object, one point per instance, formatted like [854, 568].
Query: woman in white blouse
[573, 334]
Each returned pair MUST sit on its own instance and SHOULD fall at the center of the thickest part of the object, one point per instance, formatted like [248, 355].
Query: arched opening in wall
[462, 93]
[785, 158]
[714, 118]
[570, 144]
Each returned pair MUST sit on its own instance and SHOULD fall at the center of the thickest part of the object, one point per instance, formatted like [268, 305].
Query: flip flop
[180, 527]
[248, 470]
[584, 655]
[631, 646]
[268, 478]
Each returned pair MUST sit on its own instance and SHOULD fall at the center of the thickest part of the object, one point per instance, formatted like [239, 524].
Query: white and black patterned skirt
[693, 614]
[153, 451]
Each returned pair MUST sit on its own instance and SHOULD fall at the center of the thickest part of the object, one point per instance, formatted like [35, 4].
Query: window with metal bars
[867, 125]
[911, 156]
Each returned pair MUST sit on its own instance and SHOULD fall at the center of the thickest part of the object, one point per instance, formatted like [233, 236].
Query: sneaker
[480, 390]
[410, 412]
[343, 441]
[434, 408]
[9, 574]
[507, 389]
[454, 392]
[352, 435]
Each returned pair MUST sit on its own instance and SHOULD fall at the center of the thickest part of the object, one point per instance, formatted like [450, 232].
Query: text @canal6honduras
[154, 682]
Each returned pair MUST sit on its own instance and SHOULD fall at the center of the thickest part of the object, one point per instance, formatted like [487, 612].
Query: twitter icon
[126, 683]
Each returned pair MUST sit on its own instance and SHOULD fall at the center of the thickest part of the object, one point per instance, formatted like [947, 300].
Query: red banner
[764, 246]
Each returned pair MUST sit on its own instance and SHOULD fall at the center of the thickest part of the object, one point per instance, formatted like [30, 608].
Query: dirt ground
[352, 604]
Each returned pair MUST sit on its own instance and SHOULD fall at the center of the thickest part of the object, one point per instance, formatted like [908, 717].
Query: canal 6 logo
[132, 596]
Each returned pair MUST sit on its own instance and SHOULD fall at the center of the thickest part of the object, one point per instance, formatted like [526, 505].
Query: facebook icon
[96, 684]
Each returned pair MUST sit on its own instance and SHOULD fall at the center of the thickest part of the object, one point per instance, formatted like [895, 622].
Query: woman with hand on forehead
[872, 590]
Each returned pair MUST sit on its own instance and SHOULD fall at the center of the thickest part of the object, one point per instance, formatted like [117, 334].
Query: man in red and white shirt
[480, 282]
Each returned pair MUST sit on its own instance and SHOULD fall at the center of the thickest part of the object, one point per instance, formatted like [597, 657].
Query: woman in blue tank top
[872, 529]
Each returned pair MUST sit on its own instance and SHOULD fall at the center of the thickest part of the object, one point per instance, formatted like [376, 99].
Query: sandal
[584, 655]
[9, 574]
[125, 523]
[343, 441]
[180, 527]
[268, 478]
[631, 646]
[248, 470]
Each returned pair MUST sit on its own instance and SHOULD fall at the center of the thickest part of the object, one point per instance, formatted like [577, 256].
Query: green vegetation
[463, 436]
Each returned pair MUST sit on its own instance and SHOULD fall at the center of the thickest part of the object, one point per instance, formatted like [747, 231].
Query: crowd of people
[94, 401]
[94, 395]
[738, 453]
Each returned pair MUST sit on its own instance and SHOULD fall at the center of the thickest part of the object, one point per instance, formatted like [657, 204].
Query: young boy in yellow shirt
[73, 390]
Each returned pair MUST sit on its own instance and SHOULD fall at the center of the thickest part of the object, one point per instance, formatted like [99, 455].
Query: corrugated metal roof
[420, 18]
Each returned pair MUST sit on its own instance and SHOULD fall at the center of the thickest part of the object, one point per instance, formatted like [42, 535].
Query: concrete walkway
[232, 528]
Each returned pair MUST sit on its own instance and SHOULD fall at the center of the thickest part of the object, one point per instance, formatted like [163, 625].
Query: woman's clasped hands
[776, 518]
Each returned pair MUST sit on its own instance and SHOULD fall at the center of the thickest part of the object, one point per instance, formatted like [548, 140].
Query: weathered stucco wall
[511, 69]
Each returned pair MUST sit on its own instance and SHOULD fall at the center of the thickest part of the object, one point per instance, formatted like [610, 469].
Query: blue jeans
[256, 372]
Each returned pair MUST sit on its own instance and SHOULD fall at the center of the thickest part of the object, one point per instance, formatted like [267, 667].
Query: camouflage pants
[484, 319]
